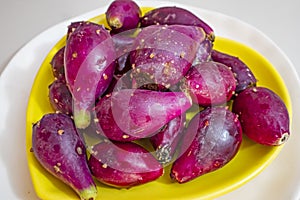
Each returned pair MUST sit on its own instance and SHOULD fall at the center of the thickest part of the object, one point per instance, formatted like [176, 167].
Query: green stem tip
[82, 118]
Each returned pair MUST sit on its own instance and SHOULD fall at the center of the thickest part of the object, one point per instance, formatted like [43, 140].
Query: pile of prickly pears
[133, 83]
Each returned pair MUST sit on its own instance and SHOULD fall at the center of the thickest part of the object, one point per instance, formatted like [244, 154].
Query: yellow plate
[249, 162]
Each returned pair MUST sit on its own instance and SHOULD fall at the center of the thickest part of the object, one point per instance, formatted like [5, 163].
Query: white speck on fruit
[105, 77]
[74, 55]
[56, 169]
[125, 136]
[152, 55]
[182, 54]
[79, 150]
[104, 166]
[60, 132]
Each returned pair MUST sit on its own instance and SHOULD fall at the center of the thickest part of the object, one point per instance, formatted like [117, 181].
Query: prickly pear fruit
[123, 164]
[212, 139]
[59, 149]
[263, 115]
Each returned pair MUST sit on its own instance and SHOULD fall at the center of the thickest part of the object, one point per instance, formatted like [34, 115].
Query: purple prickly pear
[59, 149]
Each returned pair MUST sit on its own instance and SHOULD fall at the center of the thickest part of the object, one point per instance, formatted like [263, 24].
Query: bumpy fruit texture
[58, 66]
[263, 115]
[175, 15]
[123, 164]
[129, 114]
[212, 139]
[210, 83]
[89, 66]
[163, 54]
[73, 26]
[60, 150]
[123, 15]
[105, 123]
[244, 76]
[166, 141]
[60, 97]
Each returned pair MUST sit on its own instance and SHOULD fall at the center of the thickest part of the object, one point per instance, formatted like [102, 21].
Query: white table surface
[21, 21]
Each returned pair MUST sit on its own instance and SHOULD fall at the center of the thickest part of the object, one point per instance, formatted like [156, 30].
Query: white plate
[280, 180]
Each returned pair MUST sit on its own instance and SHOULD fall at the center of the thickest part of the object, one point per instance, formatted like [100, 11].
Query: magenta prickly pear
[175, 15]
[72, 27]
[263, 115]
[162, 55]
[211, 140]
[59, 149]
[57, 64]
[129, 114]
[123, 15]
[104, 121]
[123, 164]
[166, 141]
[60, 97]
[89, 66]
[210, 83]
[245, 78]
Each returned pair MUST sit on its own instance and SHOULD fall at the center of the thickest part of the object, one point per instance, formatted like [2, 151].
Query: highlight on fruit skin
[210, 83]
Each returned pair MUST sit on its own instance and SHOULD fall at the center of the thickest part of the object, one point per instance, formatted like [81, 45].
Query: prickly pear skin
[204, 52]
[89, 51]
[164, 54]
[123, 164]
[73, 26]
[58, 66]
[175, 15]
[244, 76]
[60, 97]
[60, 150]
[137, 113]
[123, 15]
[210, 83]
[89, 66]
[105, 124]
[212, 139]
[166, 141]
[263, 115]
